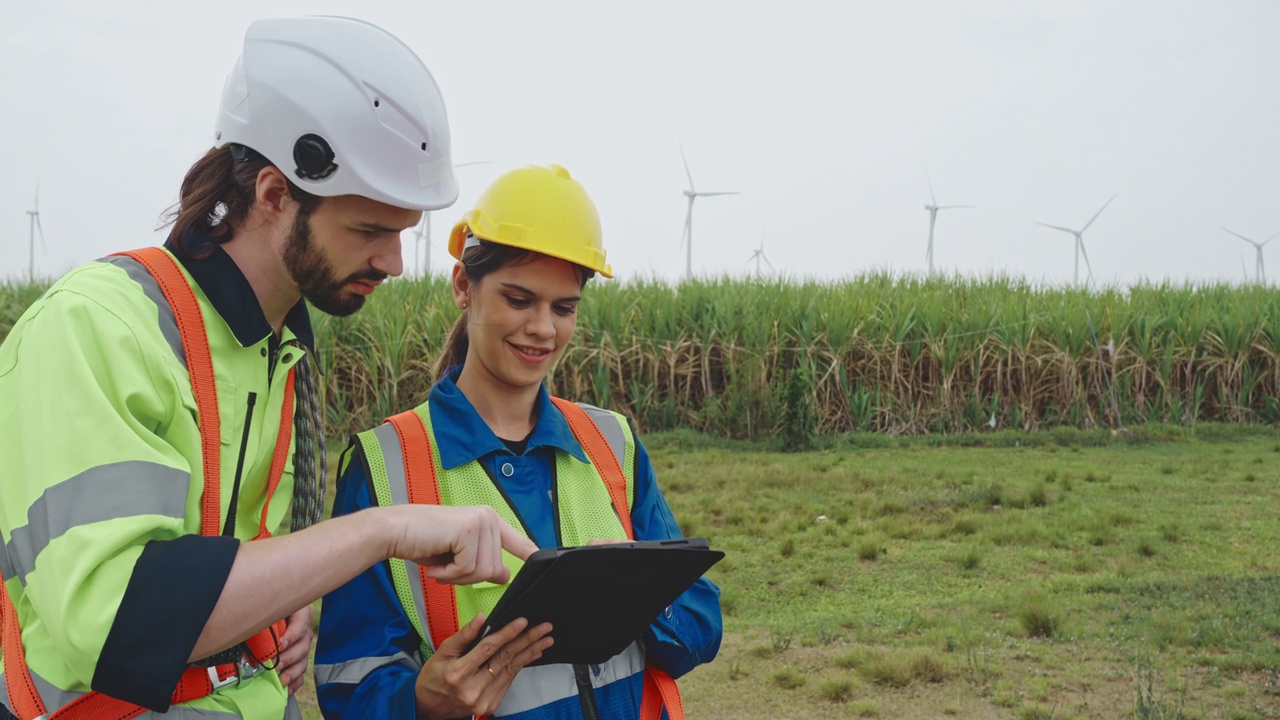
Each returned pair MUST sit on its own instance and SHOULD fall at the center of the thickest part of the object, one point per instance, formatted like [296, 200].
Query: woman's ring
[490, 669]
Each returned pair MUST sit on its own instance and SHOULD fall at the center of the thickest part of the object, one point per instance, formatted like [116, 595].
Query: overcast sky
[826, 116]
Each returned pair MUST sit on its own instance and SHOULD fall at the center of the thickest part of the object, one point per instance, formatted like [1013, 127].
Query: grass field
[1058, 574]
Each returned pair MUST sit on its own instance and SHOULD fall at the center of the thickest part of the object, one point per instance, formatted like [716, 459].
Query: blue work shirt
[363, 622]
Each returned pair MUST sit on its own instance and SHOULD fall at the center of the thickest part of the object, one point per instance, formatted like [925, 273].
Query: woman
[490, 434]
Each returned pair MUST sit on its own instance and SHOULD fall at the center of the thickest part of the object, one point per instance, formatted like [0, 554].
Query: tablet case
[600, 598]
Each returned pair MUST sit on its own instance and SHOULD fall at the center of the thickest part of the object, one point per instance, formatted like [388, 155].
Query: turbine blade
[1095, 215]
[709, 194]
[40, 231]
[686, 169]
[951, 207]
[1273, 237]
[1057, 227]
[1233, 232]
[1085, 253]
[766, 260]
[932, 199]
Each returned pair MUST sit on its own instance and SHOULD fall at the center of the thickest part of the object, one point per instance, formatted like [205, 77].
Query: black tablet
[600, 598]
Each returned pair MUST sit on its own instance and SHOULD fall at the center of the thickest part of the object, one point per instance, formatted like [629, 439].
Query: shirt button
[286, 357]
[508, 470]
[264, 352]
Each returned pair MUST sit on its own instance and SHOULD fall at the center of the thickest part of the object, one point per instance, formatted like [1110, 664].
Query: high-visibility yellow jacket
[100, 499]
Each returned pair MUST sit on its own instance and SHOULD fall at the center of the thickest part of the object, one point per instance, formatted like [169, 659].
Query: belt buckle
[218, 681]
[245, 669]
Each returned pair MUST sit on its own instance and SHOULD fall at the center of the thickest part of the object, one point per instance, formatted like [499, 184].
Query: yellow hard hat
[541, 209]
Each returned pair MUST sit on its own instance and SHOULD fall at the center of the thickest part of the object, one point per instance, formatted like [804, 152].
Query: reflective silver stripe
[105, 492]
[291, 709]
[168, 324]
[6, 567]
[545, 684]
[55, 698]
[352, 672]
[611, 428]
[393, 461]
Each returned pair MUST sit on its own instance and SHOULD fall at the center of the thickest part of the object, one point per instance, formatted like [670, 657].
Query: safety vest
[196, 682]
[594, 501]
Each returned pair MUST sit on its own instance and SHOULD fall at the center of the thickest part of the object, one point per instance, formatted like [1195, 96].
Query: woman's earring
[464, 304]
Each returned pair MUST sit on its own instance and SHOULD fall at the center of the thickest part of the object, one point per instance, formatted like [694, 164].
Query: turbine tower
[758, 255]
[422, 237]
[1260, 272]
[687, 237]
[34, 216]
[1080, 239]
[933, 209]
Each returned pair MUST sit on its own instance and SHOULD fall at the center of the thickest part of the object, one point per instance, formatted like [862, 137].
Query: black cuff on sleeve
[173, 589]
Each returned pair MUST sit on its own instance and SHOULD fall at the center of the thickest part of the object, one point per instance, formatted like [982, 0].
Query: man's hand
[295, 649]
[458, 545]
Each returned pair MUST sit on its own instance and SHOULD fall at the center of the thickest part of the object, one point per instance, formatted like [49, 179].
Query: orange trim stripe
[440, 599]
[195, 343]
[22, 691]
[663, 686]
[602, 456]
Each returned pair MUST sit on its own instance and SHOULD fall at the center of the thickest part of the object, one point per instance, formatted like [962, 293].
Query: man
[159, 408]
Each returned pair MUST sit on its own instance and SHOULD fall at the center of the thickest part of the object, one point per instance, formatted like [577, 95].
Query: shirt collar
[231, 294]
[463, 436]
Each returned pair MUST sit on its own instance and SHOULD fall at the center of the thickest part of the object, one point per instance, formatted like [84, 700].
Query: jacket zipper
[229, 528]
[586, 693]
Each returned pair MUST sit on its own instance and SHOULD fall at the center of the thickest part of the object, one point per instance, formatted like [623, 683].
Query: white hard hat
[344, 108]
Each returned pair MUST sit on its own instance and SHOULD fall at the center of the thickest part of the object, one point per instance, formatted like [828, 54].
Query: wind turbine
[687, 237]
[422, 237]
[758, 255]
[1260, 273]
[1080, 239]
[933, 218]
[34, 215]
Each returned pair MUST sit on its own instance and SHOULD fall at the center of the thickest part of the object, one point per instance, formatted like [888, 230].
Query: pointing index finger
[517, 544]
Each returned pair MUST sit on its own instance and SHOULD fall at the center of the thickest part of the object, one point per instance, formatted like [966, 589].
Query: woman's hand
[452, 684]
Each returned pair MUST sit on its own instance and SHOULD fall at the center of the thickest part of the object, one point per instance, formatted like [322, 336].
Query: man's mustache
[366, 275]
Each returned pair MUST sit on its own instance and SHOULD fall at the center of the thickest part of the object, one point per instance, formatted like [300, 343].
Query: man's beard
[315, 276]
